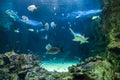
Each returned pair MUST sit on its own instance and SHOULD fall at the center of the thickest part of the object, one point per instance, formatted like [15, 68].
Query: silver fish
[52, 50]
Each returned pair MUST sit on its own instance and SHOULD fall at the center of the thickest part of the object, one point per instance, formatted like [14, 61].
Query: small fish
[95, 17]
[62, 14]
[25, 19]
[16, 31]
[31, 30]
[78, 16]
[46, 26]
[53, 25]
[54, 8]
[12, 14]
[52, 50]
[31, 8]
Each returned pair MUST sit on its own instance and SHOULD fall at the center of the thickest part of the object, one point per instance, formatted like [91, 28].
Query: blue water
[64, 16]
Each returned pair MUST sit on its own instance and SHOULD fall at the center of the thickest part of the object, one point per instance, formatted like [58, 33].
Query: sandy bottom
[58, 65]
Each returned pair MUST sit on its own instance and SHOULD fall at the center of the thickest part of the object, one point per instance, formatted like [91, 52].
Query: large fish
[32, 22]
[78, 14]
[52, 50]
[15, 17]
[78, 37]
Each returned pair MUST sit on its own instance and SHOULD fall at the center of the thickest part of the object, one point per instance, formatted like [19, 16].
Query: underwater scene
[59, 40]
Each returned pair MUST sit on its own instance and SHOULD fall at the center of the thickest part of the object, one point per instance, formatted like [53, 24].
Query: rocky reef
[111, 27]
[15, 66]
[93, 68]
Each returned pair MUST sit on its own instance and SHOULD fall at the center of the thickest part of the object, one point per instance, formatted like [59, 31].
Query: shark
[79, 14]
[78, 37]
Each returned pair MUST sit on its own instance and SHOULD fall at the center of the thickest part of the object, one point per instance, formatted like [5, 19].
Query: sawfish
[78, 37]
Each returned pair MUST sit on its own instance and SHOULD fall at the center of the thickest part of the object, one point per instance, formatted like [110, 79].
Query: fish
[95, 17]
[46, 26]
[16, 31]
[25, 19]
[12, 14]
[32, 22]
[53, 25]
[78, 37]
[31, 30]
[78, 14]
[52, 50]
[54, 8]
[62, 14]
[32, 8]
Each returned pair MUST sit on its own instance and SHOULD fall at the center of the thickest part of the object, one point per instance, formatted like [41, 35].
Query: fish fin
[61, 50]
[48, 46]
[74, 39]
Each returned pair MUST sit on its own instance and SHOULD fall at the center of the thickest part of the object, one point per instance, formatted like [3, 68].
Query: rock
[1, 62]
[117, 76]
[31, 76]
[114, 46]
[94, 68]
[15, 66]
[14, 76]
